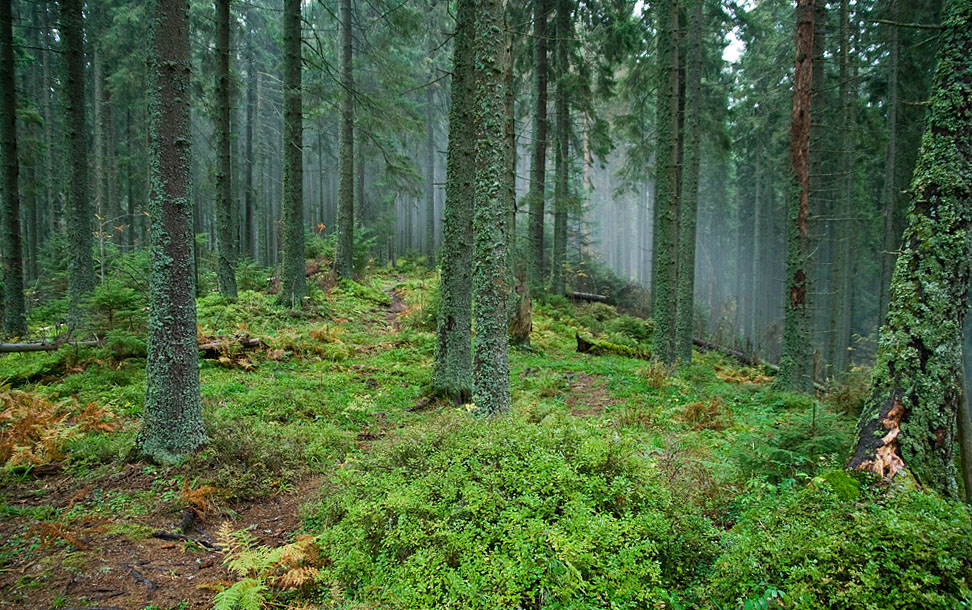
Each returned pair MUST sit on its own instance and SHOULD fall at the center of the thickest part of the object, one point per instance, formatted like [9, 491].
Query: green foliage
[801, 439]
[245, 594]
[823, 548]
[506, 514]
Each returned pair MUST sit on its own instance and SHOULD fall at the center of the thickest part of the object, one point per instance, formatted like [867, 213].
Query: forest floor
[333, 383]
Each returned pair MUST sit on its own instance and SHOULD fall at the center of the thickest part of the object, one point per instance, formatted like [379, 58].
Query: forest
[525, 304]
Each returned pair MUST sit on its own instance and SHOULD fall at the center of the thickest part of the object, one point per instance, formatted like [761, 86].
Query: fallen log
[43, 346]
[588, 296]
[748, 360]
[589, 345]
[213, 345]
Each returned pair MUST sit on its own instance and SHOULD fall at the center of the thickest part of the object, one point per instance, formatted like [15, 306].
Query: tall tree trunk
[889, 192]
[226, 225]
[14, 310]
[538, 160]
[491, 376]
[689, 193]
[430, 151]
[294, 279]
[796, 362]
[81, 279]
[842, 297]
[172, 421]
[558, 262]
[908, 423]
[452, 374]
[249, 228]
[663, 273]
[345, 243]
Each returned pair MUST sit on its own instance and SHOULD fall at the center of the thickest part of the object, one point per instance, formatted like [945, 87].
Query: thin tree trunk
[889, 192]
[294, 279]
[250, 238]
[81, 280]
[14, 310]
[558, 263]
[539, 158]
[430, 152]
[172, 420]
[344, 264]
[796, 362]
[226, 227]
[908, 421]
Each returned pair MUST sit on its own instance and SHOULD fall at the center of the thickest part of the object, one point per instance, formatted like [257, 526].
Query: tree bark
[491, 376]
[226, 261]
[14, 310]
[908, 423]
[558, 262]
[452, 374]
[172, 420]
[344, 264]
[664, 261]
[81, 280]
[294, 279]
[538, 161]
[796, 362]
[689, 193]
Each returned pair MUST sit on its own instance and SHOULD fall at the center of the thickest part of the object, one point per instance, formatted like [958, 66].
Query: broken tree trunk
[43, 346]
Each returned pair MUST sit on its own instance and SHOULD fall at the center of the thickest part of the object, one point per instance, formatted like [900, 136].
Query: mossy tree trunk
[452, 374]
[226, 224]
[558, 261]
[294, 278]
[344, 263]
[689, 200]
[908, 423]
[81, 280]
[14, 311]
[796, 362]
[172, 418]
[491, 375]
[538, 159]
[663, 273]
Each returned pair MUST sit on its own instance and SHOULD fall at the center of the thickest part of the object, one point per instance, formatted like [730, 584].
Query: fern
[246, 594]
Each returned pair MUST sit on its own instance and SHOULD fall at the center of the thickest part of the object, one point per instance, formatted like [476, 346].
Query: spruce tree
[172, 419]
[452, 373]
[663, 274]
[294, 278]
[689, 192]
[558, 263]
[81, 279]
[908, 420]
[226, 223]
[538, 158]
[491, 374]
[14, 312]
[796, 362]
[344, 263]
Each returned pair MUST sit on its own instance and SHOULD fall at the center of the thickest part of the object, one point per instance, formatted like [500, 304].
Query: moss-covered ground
[330, 479]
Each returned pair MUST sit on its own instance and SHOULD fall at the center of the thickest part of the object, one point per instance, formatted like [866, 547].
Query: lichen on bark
[908, 423]
[294, 277]
[172, 424]
[452, 375]
[491, 377]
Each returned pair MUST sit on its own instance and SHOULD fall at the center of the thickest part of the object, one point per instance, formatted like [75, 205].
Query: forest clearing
[526, 304]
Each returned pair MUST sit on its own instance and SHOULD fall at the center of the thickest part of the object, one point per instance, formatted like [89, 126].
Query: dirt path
[98, 561]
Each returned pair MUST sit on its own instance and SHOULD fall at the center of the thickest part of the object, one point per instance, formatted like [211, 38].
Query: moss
[908, 420]
[452, 374]
[172, 420]
[663, 274]
[491, 378]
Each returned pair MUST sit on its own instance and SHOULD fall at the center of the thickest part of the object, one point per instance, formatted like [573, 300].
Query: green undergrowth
[616, 482]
